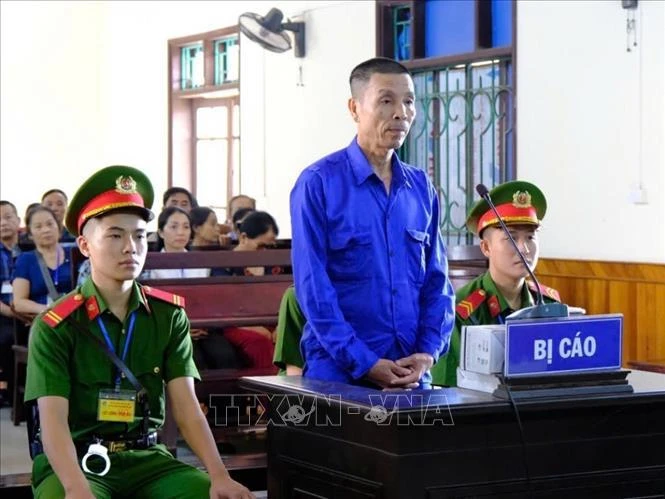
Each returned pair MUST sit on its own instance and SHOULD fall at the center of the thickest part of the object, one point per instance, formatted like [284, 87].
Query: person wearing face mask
[42, 275]
[56, 200]
[369, 264]
[503, 289]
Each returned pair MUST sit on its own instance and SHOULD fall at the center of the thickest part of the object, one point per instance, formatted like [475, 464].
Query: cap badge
[522, 199]
[125, 185]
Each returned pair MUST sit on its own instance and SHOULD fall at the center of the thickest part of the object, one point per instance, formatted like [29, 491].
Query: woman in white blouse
[174, 231]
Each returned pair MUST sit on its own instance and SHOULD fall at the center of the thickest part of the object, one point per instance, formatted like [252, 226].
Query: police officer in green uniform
[97, 433]
[503, 289]
[290, 324]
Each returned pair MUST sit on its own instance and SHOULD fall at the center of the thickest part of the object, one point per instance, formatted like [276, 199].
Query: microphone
[541, 309]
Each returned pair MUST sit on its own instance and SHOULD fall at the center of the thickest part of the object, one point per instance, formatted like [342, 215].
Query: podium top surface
[646, 385]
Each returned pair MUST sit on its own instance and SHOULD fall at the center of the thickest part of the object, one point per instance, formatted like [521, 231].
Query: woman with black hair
[258, 230]
[43, 275]
[205, 228]
[174, 232]
[255, 343]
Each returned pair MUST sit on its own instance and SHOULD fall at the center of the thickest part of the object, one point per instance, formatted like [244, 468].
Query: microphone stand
[541, 310]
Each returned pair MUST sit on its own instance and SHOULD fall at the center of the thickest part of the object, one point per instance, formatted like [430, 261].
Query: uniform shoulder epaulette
[61, 310]
[546, 290]
[160, 294]
[469, 304]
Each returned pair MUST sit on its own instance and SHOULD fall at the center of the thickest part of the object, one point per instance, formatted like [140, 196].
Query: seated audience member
[180, 197]
[205, 228]
[238, 202]
[43, 275]
[56, 200]
[174, 232]
[24, 238]
[238, 218]
[258, 231]
[503, 289]
[174, 196]
[9, 251]
[290, 324]
[211, 349]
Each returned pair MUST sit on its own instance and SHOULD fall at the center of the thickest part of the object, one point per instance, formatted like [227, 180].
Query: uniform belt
[121, 445]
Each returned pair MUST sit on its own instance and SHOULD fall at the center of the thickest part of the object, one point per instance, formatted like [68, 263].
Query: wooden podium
[330, 440]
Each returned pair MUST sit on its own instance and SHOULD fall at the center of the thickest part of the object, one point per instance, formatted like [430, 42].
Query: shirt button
[392, 254]
[156, 370]
[394, 291]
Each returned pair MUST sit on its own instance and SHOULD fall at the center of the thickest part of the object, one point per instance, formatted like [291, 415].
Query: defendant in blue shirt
[369, 265]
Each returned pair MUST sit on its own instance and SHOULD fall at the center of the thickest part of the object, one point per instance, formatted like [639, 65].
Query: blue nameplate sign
[564, 345]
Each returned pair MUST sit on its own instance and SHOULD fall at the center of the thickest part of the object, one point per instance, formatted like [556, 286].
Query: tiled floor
[14, 456]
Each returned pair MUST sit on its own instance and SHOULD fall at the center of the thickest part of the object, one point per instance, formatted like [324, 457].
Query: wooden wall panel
[636, 290]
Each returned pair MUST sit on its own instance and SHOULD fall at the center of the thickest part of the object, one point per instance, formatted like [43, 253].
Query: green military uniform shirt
[64, 362]
[290, 324]
[479, 303]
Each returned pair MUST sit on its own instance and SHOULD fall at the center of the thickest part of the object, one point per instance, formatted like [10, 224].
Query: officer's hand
[224, 487]
[418, 363]
[387, 374]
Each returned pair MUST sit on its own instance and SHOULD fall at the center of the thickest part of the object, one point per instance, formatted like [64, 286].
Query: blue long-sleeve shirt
[370, 268]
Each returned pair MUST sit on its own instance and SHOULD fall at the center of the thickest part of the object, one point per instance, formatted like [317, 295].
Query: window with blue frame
[204, 110]
[192, 66]
[227, 60]
[460, 53]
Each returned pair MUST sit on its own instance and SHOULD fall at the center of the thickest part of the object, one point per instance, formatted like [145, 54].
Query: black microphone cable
[525, 460]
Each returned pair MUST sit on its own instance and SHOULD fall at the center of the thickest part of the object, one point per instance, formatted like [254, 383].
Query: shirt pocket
[150, 374]
[350, 255]
[417, 243]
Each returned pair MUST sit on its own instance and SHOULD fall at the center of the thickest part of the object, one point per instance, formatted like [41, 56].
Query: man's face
[57, 203]
[240, 202]
[116, 245]
[503, 260]
[9, 222]
[180, 200]
[384, 110]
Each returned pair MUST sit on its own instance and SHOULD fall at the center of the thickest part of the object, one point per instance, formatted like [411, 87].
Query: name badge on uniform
[6, 288]
[116, 406]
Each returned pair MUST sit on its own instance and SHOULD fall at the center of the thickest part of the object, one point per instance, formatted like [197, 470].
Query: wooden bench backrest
[229, 301]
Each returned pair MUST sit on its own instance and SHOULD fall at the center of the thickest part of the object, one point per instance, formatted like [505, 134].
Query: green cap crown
[518, 202]
[110, 189]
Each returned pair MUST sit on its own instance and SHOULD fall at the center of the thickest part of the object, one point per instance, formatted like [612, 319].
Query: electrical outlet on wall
[638, 195]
